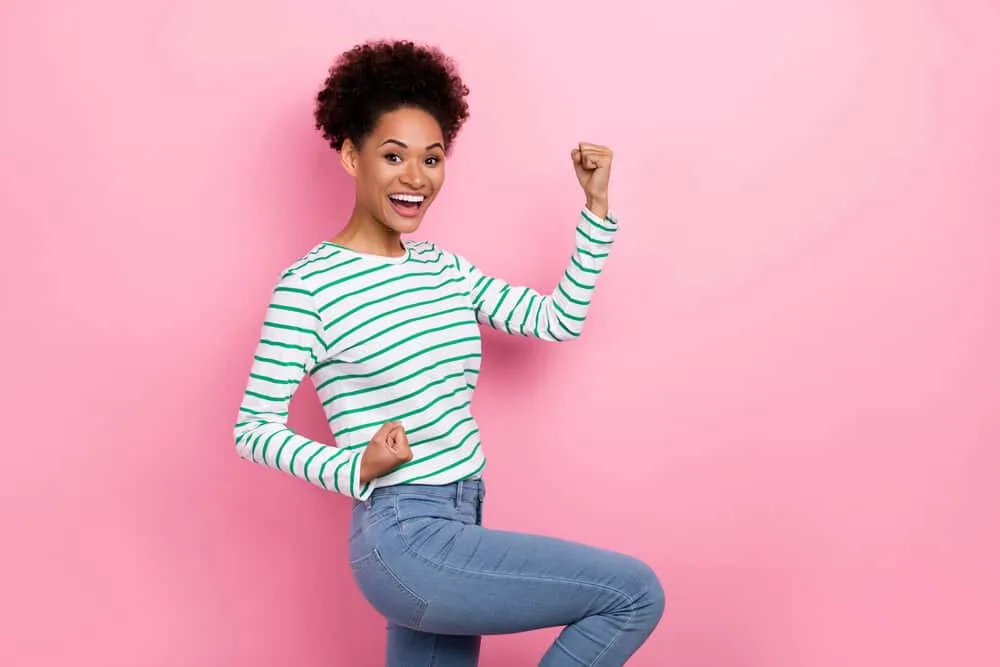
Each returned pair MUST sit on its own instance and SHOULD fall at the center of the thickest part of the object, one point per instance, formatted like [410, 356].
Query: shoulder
[429, 252]
[322, 264]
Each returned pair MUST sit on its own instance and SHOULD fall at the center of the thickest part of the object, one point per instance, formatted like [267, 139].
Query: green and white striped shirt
[395, 339]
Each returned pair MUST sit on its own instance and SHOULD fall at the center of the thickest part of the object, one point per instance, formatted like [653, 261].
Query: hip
[394, 518]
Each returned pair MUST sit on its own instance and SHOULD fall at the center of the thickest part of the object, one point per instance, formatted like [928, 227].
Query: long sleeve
[558, 316]
[291, 344]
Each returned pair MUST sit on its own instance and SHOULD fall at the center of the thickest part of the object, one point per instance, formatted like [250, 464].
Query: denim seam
[618, 633]
[408, 549]
[418, 614]
[484, 573]
[565, 649]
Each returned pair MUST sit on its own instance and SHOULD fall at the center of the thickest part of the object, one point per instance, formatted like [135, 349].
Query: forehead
[414, 127]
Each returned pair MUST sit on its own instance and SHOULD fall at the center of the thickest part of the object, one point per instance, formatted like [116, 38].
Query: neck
[364, 234]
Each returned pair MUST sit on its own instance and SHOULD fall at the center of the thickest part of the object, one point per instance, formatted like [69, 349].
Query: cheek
[436, 177]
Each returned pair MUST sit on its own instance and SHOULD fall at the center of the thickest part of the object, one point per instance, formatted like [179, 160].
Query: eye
[432, 160]
[393, 157]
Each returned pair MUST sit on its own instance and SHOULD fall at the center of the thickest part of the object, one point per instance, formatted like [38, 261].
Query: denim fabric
[423, 560]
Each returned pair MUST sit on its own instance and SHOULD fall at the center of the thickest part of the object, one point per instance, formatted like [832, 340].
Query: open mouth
[406, 205]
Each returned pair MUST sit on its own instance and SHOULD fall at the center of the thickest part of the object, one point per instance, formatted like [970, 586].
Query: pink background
[786, 399]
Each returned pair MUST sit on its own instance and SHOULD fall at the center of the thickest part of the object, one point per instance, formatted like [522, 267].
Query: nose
[413, 175]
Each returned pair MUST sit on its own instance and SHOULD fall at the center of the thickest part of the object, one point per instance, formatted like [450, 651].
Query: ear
[349, 157]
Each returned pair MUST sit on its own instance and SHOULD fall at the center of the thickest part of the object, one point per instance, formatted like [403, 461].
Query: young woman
[388, 332]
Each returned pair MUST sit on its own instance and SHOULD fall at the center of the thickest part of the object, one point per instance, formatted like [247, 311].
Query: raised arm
[290, 344]
[559, 315]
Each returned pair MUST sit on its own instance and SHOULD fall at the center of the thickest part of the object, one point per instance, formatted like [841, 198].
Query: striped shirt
[395, 339]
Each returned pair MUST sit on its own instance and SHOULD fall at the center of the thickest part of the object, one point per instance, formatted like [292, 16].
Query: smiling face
[398, 169]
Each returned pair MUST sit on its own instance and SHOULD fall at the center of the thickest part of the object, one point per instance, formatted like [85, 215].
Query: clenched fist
[388, 449]
[593, 169]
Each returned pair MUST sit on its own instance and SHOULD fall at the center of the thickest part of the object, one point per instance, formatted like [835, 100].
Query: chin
[403, 224]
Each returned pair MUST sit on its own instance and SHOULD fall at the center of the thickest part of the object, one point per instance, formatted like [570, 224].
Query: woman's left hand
[593, 169]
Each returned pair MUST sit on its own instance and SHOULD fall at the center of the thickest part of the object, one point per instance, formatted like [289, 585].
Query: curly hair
[376, 77]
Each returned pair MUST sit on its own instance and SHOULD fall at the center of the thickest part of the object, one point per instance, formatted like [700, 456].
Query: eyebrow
[436, 144]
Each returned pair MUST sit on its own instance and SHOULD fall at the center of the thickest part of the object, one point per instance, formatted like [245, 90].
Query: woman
[388, 331]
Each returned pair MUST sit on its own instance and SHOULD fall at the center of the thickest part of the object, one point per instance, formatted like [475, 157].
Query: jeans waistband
[467, 490]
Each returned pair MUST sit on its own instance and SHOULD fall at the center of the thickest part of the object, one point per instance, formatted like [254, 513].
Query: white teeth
[416, 199]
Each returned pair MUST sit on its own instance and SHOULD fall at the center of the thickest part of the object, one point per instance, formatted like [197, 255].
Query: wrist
[598, 205]
[365, 474]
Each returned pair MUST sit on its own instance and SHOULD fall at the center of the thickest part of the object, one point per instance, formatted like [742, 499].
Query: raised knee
[651, 597]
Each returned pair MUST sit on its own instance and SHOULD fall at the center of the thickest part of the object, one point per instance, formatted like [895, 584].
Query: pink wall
[786, 400]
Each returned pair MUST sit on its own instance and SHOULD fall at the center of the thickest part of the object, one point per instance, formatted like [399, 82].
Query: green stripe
[417, 429]
[263, 451]
[344, 279]
[265, 378]
[289, 327]
[332, 456]
[264, 412]
[575, 318]
[423, 369]
[571, 299]
[354, 467]
[400, 416]
[510, 315]
[336, 475]
[287, 346]
[443, 435]
[573, 280]
[266, 397]
[395, 344]
[440, 452]
[454, 341]
[591, 238]
[369, 304]
[292, 364]
[334, 267]
[293, 309]
[475, 450]
[386, 313]
[595, 255]
[277, 456]
[291, 463]
[527, 311]
[305, 466]
[397, 399]
[582, 267]
[595, 223]
[482, 292]
[504, 291]
[292, 290]
[368, 288]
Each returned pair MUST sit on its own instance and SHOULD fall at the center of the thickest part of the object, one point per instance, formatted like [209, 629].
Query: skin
[405, 153]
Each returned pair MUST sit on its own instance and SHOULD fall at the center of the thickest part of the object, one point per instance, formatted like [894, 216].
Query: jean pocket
[414, 506]
[386, 592]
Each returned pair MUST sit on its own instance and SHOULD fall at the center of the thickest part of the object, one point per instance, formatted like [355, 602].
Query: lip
[404, 211]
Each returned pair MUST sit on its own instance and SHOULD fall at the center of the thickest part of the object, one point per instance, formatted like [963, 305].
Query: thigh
[471, 580]
[411, 648]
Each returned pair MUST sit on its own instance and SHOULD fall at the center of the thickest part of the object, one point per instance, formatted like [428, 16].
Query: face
[398, 169]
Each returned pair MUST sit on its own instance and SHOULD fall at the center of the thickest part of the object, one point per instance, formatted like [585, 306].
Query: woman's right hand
[388, 449]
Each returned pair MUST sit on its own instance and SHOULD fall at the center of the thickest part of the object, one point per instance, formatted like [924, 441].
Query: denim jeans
[423, 560]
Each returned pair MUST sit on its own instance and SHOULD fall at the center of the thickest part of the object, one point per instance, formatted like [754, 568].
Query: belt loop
[458, 493]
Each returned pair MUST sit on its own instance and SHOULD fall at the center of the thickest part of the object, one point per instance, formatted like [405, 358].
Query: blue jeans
[423, 560]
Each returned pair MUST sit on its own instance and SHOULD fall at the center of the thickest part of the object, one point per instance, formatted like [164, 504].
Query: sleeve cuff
[601, 230]
[608, 223]
[359, 491]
